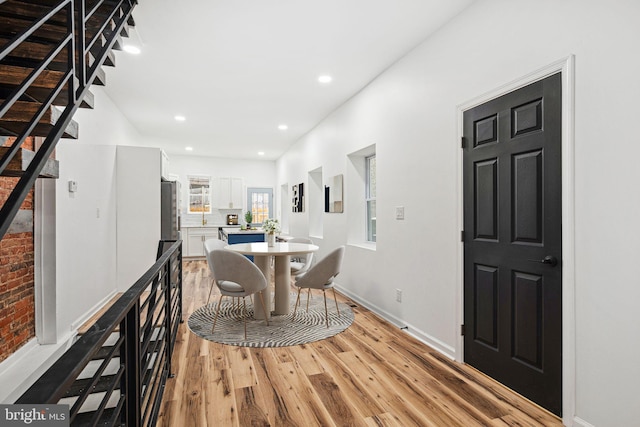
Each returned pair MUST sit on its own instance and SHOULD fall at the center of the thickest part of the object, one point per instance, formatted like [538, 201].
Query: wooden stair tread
[84, 418]
[103, 384]
[29, 54]
[21, 112]
[39, 90]
[21, 161]
[10, 26]
[49, 34]
[29, 10]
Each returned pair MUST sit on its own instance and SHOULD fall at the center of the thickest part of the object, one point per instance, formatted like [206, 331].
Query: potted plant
[248, 217]
[271, 227]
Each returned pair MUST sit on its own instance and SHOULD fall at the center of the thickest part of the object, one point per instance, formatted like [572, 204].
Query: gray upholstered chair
[236, 276]
[211, 245]
[321, 276]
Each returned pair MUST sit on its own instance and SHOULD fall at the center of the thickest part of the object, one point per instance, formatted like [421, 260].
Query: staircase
[51, 52]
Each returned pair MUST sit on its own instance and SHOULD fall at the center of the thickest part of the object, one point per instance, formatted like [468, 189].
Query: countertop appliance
[232, 219]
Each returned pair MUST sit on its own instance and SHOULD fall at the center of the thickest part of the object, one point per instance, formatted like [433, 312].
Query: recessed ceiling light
[260, 153]
[180, 118]
[283, 127]
[325, 79]
[188, 148]
[129, 48]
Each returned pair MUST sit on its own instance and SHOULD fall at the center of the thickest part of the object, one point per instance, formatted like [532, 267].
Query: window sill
[371, 246]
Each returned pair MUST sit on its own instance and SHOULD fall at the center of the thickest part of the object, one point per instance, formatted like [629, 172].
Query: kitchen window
[199, 194]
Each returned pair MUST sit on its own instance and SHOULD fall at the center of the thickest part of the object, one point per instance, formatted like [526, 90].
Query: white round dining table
[282, 253]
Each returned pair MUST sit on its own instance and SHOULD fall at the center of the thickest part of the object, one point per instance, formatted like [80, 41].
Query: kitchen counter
[235, 230]
[233, 235]
[199, 225]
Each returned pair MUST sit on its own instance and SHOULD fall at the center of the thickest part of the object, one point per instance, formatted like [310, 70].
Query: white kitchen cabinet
[229, 194]
[195, 238]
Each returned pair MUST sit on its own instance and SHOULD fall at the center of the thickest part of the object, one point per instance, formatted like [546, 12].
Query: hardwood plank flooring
[372, 374]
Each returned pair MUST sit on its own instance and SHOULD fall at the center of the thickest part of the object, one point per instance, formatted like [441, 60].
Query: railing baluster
[167, 310]
[133, 387]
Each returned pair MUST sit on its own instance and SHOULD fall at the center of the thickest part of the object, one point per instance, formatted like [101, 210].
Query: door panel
[486, 199]
[527, 197]
[512, 216]
[486, 305]
[527, 318]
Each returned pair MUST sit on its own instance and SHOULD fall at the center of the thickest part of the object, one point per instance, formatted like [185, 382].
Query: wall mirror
[333, 195]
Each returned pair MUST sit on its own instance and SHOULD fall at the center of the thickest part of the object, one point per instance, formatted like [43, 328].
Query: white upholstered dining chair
[236, 276]
[321, 276]
[301, 263]
[211, 245]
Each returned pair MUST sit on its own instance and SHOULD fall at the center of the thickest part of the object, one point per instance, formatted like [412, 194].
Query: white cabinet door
[195, 245]
[196, 238]
[236, 193]
[229, 193]
[224, 193]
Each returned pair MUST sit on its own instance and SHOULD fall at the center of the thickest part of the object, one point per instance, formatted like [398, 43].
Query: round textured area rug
[282, 331]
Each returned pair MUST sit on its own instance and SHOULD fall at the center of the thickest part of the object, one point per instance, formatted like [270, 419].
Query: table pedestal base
[282, 283]
[263, 263]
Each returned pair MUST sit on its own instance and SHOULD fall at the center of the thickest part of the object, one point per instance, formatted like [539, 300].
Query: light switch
[399, 212]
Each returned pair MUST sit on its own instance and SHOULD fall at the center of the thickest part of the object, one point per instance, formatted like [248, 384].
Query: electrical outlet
[399, 212]
[399, 295]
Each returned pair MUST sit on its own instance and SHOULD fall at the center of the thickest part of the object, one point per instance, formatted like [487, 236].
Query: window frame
[208, 195]
[270, 207]
[370, 199]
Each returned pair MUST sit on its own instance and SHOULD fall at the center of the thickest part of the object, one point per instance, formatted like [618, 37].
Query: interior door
[513, 242]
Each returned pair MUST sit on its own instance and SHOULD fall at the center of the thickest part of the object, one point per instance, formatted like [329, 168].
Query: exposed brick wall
[17, 307]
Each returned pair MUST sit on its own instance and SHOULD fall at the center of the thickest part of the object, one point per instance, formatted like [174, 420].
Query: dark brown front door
[513, 242]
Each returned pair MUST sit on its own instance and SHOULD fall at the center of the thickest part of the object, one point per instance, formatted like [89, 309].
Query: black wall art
[297, 202]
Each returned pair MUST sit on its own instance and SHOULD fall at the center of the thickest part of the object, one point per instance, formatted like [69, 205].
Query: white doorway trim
[566, 66]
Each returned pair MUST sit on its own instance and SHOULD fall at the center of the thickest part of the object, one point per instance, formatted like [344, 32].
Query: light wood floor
[370, 375]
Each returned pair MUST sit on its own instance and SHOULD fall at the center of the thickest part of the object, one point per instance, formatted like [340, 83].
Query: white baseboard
[76, 325]
[20, 370]
[420, 335]
[579, 422]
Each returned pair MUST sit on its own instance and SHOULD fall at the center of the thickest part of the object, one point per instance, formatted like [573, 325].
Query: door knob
[551, 260]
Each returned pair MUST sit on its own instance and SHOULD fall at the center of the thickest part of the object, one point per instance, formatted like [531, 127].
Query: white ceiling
[239, 68]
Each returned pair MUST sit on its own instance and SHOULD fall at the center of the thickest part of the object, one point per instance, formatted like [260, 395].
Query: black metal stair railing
[126, 385]
[73, 39]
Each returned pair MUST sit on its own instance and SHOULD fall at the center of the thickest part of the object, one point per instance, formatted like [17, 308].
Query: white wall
[86, 238]
[86, 257]
[410, 113]
[255, 173]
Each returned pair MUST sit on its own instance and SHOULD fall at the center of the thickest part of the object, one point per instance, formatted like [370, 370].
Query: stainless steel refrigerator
[170, 214]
